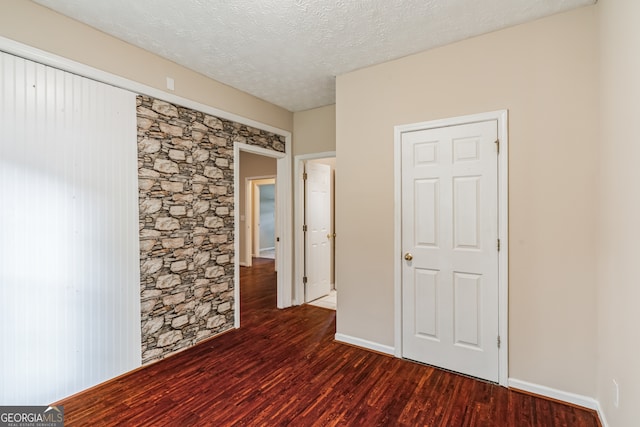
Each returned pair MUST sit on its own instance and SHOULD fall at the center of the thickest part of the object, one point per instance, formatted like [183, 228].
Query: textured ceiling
[288, 52]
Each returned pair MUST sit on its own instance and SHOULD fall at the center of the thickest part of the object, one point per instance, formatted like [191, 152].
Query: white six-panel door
[318, 235]
[449, 241]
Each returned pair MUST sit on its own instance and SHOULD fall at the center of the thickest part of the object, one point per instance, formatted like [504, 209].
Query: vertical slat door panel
[69, 252]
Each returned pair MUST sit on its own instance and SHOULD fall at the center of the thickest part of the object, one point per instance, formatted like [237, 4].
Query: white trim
[552, 393]
[254, 149]
[283, 221]
[284, 227]
[503, 233]
[369, 345]
[248, 214]
[397, 239]
[248, 223]
[501, 117]
[298, 183]
[313, 156]
[603, 419]
[59, 62]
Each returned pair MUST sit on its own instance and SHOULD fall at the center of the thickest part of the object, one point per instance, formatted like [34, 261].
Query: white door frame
[503, 217]
[248, 215]
[258, 211]
[298, 294]
[283, 222]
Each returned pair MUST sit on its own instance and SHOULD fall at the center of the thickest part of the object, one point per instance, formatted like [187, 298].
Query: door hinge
[498, 146]
[304, 280]
[304, 228]
[304, 176]
[499, 342]
[498, 245]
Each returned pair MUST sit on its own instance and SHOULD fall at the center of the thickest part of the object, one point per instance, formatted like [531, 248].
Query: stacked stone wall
[186, 197]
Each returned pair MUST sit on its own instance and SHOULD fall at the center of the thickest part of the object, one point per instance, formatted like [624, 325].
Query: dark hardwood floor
[282, 367]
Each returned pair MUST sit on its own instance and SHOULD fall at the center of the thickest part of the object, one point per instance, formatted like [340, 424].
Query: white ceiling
[288, 52]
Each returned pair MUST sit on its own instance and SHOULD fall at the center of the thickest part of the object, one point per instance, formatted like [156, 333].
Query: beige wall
[314, 130]
[39, 27]
[619, 226]
[545, 74]
[251, 165]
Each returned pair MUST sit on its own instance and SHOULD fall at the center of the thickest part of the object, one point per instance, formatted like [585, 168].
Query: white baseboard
[603, 419]
[243, 264]
[369, 345]
[565, 396]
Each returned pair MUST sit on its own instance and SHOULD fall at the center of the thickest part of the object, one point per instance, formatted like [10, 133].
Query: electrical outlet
[170, 83]
[616, 393]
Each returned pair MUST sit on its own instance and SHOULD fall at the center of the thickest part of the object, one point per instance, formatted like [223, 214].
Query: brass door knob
[408, 256]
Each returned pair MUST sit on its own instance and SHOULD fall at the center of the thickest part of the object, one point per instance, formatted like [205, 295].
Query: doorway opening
[261, 218]
[254, 167]
[315, 230]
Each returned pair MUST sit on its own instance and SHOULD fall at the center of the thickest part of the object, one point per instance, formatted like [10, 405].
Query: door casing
[257, 213]
[283, 223]
[503, 257]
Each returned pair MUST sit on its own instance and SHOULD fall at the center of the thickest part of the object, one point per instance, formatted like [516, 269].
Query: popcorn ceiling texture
[185, 182]
[289, 52]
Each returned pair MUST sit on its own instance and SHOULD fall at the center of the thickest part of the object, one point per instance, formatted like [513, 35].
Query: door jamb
[298, 293]
[248, 215]
[283, 222]
[501, 116]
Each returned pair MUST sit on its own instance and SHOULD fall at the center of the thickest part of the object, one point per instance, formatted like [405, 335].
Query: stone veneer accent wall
[185, 164]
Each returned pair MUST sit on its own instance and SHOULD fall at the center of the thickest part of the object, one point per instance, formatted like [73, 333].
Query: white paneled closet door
[69, 247]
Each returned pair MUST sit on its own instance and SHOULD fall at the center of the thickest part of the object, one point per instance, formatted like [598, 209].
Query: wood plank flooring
[282, 367]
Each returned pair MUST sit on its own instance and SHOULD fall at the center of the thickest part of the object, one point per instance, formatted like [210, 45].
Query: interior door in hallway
[449, 240]
[318, 231]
